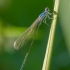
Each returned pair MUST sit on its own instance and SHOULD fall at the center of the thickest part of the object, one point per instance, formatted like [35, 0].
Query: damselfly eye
[47, 9]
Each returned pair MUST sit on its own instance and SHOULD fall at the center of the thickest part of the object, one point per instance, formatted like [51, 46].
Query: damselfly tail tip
[15, 46]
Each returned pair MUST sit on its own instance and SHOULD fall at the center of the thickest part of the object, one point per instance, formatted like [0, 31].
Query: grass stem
[47, 59]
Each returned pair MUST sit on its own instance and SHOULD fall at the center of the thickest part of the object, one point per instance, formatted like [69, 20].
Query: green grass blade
[46, 63]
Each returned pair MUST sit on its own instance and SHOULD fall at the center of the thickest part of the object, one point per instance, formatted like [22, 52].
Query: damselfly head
[47, 9]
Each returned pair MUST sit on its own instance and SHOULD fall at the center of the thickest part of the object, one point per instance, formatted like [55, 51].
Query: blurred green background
[15, 17]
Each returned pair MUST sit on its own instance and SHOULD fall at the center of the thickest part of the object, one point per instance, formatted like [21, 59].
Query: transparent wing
[27, 35]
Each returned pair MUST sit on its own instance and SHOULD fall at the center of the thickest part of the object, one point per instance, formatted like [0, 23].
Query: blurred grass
[65, 21]
[17, 31]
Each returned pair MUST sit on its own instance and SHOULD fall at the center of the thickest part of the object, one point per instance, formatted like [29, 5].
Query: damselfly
[32, 30]
[31, 33]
